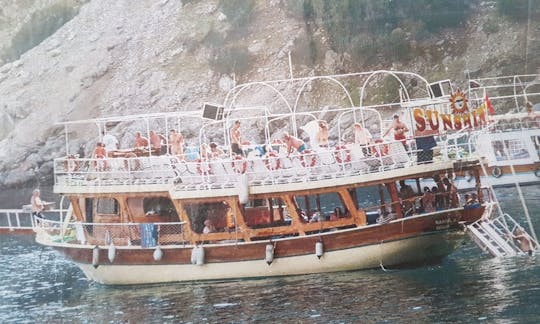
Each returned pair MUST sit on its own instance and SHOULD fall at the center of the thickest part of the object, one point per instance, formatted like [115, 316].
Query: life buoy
[342, 154]
[272, 161]
[239, 164]
[537, 172]
[308, 158]
[496, 172]
[380, 149]
[203, 167]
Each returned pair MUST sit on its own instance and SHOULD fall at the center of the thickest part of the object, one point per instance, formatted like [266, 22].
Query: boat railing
[276, 167]
[145, 235]
[72, 171]
[21, 220]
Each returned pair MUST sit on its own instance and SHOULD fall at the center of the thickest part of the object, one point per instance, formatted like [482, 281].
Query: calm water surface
[36, 285]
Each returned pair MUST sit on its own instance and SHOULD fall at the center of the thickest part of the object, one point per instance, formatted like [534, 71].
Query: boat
[144, 216]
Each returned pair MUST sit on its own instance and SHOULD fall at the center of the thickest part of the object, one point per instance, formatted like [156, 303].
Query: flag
[489, 106]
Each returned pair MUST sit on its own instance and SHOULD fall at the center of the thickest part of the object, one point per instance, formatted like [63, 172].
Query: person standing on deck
[322, 134]
[451, 193]
[176, 141]
[37, 204]
[236, 139]
[155, 141]
[400, 131]
[110, 142]
[362, 137]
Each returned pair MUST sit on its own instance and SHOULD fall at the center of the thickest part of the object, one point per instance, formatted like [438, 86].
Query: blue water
[36, 285]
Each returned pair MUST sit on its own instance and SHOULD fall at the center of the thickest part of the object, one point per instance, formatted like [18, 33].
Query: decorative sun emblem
[459, 103]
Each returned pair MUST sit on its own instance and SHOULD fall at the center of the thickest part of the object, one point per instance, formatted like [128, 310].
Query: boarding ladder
[496, 235]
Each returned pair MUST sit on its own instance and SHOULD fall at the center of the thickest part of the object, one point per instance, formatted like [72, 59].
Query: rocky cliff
[74, 59]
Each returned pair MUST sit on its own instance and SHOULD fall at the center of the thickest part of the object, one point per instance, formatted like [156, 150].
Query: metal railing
[272, 168]
[119, 234]
[14, 220]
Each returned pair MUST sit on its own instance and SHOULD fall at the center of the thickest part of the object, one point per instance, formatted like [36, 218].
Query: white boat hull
[410, 250]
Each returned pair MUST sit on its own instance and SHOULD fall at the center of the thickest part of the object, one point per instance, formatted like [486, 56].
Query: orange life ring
[338, 154]
[239, 164]
[308, 158]
[380, 149]
[272, 161]
[203, 167]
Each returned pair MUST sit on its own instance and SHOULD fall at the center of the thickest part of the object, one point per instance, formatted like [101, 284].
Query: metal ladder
[496, 236]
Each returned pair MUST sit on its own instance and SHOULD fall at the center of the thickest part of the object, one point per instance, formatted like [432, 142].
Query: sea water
[37, 285]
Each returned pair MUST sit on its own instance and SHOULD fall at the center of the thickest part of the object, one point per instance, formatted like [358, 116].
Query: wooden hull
[408, 240]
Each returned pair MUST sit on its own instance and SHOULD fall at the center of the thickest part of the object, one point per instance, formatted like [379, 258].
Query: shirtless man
[100, 153]
[293, 143]
[362, 137]
[236, 139]
[176, 141]
[400, 131]
[524, 243]
[140, 141]
[322, 134]
[155, 141]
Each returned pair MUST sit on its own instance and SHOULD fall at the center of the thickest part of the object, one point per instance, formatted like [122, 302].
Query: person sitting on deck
[215, 152]
[322, 134]
[293, 143]
[140, 141]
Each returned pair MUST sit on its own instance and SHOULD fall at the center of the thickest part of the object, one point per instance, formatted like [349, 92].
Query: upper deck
[287, 106]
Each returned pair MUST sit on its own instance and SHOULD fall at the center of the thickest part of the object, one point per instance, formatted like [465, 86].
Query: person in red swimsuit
[400, 131]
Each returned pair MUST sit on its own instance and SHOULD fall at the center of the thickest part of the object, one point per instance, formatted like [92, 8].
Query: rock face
[74, 59]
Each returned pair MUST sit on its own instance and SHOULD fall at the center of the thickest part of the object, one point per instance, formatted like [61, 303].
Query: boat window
[106, 206]
[159, 206]
[266, 212]
[216, 214]
[512, 149]
[321, 207]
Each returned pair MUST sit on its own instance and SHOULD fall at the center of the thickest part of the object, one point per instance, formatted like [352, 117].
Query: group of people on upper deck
[158, 144]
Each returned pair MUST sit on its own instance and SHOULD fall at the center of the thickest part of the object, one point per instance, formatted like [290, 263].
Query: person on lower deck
[407, 194]
[37, 204]
[208, 227]
[451, 193]
[428, 201]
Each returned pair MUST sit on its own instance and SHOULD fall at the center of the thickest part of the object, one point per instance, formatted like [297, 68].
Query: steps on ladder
[497, 236]
[487, 236]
